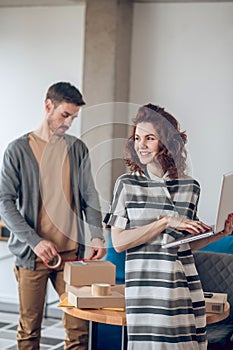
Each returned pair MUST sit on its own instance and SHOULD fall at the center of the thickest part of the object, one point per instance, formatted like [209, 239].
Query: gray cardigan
[19, 197]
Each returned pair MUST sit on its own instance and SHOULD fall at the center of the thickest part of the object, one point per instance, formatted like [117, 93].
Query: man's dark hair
[64, 92]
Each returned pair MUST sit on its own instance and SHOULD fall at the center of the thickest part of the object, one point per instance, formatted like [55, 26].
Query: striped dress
[164, 299]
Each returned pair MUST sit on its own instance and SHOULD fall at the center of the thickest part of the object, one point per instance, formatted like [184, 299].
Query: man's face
[60, 117]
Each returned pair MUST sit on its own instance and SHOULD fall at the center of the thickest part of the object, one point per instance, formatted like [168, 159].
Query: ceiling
[18, 3]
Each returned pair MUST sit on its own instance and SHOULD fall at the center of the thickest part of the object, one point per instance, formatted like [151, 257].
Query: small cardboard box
[215, 303]
[82, 298]
[120, 288]
[84, 273]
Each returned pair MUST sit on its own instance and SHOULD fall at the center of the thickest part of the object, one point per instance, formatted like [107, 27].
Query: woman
[154, 204]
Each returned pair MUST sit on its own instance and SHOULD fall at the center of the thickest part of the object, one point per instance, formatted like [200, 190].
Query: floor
[51, 338]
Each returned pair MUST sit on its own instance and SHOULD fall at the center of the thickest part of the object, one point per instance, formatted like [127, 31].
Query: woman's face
[146, 142]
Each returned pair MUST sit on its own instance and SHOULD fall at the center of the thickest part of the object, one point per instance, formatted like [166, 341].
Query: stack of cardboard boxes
[91, 284]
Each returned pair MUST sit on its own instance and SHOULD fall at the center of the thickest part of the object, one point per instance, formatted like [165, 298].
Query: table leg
[124, 338]
[93, 335]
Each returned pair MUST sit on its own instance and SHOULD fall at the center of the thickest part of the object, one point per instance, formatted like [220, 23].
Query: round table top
[118, 318]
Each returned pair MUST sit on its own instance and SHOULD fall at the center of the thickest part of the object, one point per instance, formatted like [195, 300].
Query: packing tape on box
[100, 289]
[57, 261]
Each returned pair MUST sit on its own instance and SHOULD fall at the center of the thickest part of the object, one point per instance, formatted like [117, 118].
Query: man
[46, 188]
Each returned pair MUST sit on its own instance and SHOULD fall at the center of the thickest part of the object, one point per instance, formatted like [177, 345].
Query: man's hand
[46, 250]
[97, 250]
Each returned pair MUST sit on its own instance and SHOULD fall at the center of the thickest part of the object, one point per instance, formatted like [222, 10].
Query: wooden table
[118, 318]
[95, 316]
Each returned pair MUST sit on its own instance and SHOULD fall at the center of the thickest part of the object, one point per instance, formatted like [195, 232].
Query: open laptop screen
[225, 207]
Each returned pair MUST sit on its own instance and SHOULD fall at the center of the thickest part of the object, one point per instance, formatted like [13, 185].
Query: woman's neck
[155, 169]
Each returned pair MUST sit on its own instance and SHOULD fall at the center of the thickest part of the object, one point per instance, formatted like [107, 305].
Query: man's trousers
[32, 285]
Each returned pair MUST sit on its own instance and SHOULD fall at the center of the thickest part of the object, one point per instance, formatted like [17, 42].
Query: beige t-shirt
[56, 218]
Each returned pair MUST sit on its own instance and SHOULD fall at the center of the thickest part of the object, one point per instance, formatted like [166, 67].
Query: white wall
[38, 46]
[182, 59]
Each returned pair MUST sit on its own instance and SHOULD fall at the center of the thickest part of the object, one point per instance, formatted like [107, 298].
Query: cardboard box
[120, 288]
[215, 303]
[82, 298]
[79, 273]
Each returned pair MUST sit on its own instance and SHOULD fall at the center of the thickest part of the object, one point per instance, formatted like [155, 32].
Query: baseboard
[52, 310]
[9, 307]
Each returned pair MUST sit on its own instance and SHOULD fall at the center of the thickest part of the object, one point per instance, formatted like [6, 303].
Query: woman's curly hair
[172, 154]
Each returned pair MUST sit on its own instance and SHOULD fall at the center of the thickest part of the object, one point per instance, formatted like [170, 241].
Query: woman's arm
[124, 239]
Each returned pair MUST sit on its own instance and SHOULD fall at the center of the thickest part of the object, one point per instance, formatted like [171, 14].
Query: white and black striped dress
[164, 299]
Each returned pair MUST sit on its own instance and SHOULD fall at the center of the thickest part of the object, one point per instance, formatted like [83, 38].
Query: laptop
[225, 207]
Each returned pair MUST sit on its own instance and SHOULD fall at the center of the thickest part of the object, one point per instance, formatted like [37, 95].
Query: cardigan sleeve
[88, 195]
[10, 187]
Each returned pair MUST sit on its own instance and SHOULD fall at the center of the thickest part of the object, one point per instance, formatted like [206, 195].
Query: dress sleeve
[117, 214]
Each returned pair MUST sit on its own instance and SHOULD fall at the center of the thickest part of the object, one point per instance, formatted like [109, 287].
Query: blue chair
[109, 336]
[223, 245]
